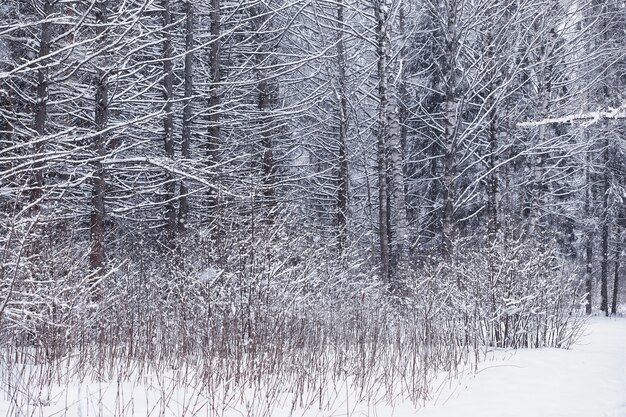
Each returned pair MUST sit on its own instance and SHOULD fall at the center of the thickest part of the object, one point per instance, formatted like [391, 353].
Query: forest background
[301, 190]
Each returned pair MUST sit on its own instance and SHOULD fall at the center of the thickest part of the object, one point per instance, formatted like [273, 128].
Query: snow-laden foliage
[512, 294]
[292, 196]
[274, 324]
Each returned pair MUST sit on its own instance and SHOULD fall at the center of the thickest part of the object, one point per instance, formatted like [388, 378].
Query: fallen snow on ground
[587, 381]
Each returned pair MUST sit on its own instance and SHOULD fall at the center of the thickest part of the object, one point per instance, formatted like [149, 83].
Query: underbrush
[264, 335]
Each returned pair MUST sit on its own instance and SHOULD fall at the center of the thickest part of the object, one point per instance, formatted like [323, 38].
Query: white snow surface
[587, 381]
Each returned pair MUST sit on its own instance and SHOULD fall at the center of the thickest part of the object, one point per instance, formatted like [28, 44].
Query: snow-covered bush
[277, 316]
[512, 293]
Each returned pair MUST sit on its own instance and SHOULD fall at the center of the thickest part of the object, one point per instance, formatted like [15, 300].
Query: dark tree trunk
[492, 178]
[404, 98]
[168, 123]
[41, 107]
[618, 254]
[432, 228]
[268, 96]
[605, 233]
[398, 227]
[393, 227]
[215, 128]
[342, 160]
[6, 129]
[383, 96]
[98, 219]
[267, 101]
[183, 208]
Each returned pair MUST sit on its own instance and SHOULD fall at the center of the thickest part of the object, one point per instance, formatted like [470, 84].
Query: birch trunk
[450, 130]
[589, 236]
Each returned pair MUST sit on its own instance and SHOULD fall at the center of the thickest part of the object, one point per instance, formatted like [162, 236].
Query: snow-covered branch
[586, 119]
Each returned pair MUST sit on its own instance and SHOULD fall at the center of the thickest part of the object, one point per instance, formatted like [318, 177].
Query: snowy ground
[587, 381]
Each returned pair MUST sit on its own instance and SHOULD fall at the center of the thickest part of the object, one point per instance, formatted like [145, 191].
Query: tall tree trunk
[492, 178]
[97, 223]
[268, 93]
[399, 233]
[168, 122]
[398, 230]
[342, 160]
[41, 103]
[545, 76]
[383, 129]
[6, 129]
[618, 254]
[450, 130]
[605, 232]
[215, 128]
[537, 167]
[267, 99]
[383, 235]
[183, 208]
[41, 118]
[431, 226]
[393, 229]
[589, 235]
[492, 134]
[588, 273]
[403, 95]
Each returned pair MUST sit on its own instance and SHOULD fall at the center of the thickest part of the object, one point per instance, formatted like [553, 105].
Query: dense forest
[290, 190]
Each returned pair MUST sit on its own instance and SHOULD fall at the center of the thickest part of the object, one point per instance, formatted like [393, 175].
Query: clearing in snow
[587, 381]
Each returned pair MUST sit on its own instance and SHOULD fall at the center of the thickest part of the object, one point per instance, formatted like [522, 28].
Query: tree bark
[589, 236]
[41, 108]
[342, 160]
[450, 130]
[398, 230]
[168, 122]
[588, 273]
[40, 121]
[183, 207]
[268, 95]
[214, 131]
[538, 168]
[267, 100]
[215, 128]
[493, 177]
[6, 129]
[383, 128]
[492, 108]
[618, 254]
[393, 229]
[605, 232]
[97, 223]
